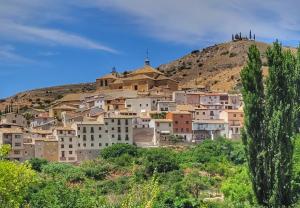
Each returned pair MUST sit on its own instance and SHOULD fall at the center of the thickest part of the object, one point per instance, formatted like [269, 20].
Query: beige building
[14, 118]
[67, 144]
[96, 135]
[142, 80]
[163, 129]
[13, 137]
[235, 120]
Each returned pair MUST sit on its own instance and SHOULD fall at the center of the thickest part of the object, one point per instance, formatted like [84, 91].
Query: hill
[217, 67]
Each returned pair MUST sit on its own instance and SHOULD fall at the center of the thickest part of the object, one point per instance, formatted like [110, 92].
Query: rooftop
[144, 70]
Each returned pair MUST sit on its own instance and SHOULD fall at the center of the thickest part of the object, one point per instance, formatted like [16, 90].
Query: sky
[55, 42]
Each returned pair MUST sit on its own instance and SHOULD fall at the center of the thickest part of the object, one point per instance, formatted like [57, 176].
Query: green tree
[15, 180]
[117, 150]
[281, 117]
[254, 134]
[4, 151]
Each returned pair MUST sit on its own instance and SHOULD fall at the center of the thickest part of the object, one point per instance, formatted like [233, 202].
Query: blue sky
[55, 42]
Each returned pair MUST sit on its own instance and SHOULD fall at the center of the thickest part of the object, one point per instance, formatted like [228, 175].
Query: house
[162, 128]
[14, 118]
[55, 111]
[209, 129]
[140, 104]
[91, 101]
[204, 113]
[96, 135]
[67, 144]
[142, 80]
[166, 106]
[41, 120]
[182, 124]
[235, 120]
[14, 137]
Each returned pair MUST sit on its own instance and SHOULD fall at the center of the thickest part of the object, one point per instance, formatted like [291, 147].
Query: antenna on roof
[147, 61]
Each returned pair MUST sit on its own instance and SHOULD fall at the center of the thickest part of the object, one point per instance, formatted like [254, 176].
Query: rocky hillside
[41, 98]
[217, 67]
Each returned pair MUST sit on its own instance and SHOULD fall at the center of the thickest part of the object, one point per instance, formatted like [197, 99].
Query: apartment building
[163, 129]
[45, 148]
[182, 124]
[204, 113]
[67, 144]
[209, 129]
[14, 137]
[166, 106]
[235, 120]
[96, 135]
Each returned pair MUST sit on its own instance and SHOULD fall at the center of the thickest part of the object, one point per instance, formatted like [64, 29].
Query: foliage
[4, 151]
[162, 160]
[15, 180]
[117, 150]
[37, 163]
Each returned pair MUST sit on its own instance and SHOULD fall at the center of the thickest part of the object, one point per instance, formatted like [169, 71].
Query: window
[170, 125]
[119, 122]
[69, 132]
[187, 122]
[119, 129]
[100, 144]
[61, 139]
[126, 138]
[106, 144]
[62, 153]
[78, 135]
[176, 122]
[119, 137]
[78, 144]
[84, 144]
[70, 152]
[126, 122]
[234, 115]
[187, 129]
[92, 144]
[100, 136]
[126, 130]
[113, 136]
[92, 129]
[157, 124]
[70, 139]
[61, 132]
[84, 129]
[106, 123]
[78, 128]
[62, 146]
[140, 105]
[112, 128]
[70, 146]
[106, 131]
[17, 144]
[84, 137]
[100, 128]
[17, 136]
[92, 137]
[112, 120]
[176, 129]
[203, 113]
[181, 129]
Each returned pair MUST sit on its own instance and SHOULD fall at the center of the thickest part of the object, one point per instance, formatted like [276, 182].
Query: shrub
[117, 150]
[160, 159]
[37, 163]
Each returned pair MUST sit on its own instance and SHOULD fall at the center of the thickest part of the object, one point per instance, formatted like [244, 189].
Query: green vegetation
[270, 123]
[211, 174]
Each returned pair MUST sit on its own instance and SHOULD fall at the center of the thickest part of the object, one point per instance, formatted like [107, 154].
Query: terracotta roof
[108, 76]
[137, 77]
[163, 120]
[210, 121]
[65, 107]
[11, 130]
[144, 70]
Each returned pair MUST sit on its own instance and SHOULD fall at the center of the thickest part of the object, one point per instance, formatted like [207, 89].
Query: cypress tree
[254, 135]
[281, 117]
[270, 123]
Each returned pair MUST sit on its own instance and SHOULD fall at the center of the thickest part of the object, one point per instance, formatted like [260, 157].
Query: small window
[70, 139]
[62, 146]
[106, 144]
[70, 152]
[100, 144]
[92, 144]
[100, 136]
[70, 146]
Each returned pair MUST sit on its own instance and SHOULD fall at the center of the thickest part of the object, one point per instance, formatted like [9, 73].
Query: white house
[163, 129]
[203, 129]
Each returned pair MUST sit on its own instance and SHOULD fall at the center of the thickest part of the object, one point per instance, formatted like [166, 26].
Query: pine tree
[281, 117]
[254, 135]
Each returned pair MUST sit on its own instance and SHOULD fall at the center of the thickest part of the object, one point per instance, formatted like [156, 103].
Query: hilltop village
[141, 107]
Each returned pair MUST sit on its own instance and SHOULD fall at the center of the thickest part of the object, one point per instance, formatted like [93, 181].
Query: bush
[117, 150]
[37, 163]
[160, 159]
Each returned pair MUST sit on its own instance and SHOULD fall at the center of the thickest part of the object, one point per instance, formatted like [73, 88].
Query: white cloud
[9, 56]
[192, 21]
[27, 21]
